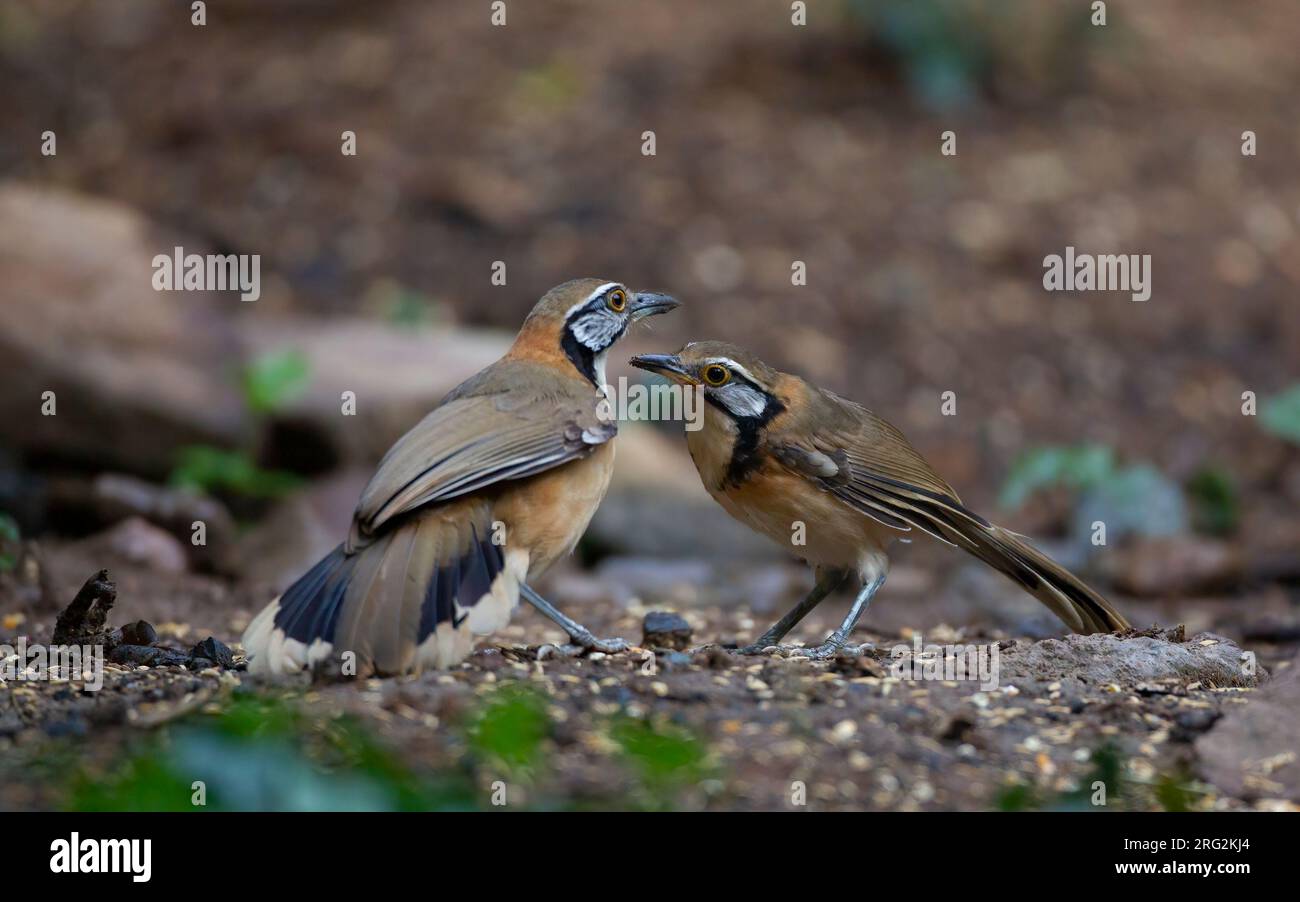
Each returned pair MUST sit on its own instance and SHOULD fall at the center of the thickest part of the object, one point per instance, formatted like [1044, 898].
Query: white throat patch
[742, 400]
[597, 329]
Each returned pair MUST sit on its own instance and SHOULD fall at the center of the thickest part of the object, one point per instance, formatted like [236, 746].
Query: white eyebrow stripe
[588, 299]
[731, 364]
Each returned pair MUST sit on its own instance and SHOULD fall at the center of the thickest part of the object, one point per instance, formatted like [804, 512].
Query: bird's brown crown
[551, 311]
[699, 353]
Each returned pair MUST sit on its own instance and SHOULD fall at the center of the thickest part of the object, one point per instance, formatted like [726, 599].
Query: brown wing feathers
[474, 441]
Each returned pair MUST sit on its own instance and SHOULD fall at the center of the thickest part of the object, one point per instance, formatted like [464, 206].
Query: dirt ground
[750, 733]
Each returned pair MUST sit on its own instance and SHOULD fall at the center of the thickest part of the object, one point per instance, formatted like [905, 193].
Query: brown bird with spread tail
[789, 460]
[482, 496]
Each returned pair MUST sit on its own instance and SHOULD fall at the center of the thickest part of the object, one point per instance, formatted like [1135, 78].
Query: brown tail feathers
[1081, 608]
[411, 599]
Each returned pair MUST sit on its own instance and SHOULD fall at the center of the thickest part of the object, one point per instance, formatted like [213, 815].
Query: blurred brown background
[774, 144]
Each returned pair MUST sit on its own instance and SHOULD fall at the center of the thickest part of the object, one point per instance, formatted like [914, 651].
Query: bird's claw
[578, 649]
[823, 652]
[589, 642]
[828, 650]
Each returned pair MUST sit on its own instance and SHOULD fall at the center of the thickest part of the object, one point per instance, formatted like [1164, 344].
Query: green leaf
[1019, 796]
[1173, 793]
[203, 468]
[664, 754]
[9, 535]
[410, 310]
[1074, 466]
[553, 86]
[273, 380]
[512, 728]
[1215, 502]
[262, 754]
[1280, 414]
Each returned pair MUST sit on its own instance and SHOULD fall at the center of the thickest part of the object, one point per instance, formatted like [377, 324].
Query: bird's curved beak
[667, 365]
[650, 303]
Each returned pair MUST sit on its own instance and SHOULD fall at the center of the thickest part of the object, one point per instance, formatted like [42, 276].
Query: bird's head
[734, 381]
[583, 318]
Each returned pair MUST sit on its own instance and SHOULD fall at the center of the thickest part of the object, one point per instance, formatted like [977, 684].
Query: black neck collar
[744, 452]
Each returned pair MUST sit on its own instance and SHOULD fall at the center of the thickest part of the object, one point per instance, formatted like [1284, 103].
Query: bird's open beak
[667, 365]
[649, 303]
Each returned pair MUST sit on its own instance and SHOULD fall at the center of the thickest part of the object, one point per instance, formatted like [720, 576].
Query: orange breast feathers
[547, 514]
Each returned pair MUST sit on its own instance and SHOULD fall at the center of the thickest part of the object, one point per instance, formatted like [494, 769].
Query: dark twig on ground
[84, 622]
[84, 619]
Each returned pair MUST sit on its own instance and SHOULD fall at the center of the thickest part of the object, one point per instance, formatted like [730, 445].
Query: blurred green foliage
[1075, 467]
[263, 753]
[1280, 414]
[1171, 791]
[204, 468]
[267, 383]
[1136, 499]
[944, 58]
[1107, 769]
[553, 86]
[1129, 498]
[952, 51]
[1216, 507]
[403, 306]
[662, 754]
[510, 730]
[1018, 796]
[9, 539]
[1174, 793]
[410, 310]
[271, 381]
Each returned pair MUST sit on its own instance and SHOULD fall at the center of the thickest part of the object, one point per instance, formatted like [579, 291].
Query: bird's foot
[831, 649]
[827, 650]
[761, 647]
[581, 638]
[587, 641]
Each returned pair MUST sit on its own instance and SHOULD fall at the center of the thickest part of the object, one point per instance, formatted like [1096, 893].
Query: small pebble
[665, 629]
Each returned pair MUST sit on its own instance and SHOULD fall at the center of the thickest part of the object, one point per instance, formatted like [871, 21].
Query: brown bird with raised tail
[779, 453]
[481, 497]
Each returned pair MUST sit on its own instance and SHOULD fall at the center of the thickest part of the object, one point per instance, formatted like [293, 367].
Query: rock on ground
[396, 376]
[135, 372]
[1254, 751]
[1102, 659]
[665, 629]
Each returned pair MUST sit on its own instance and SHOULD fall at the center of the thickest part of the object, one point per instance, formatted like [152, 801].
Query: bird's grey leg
[581, 636]
[835, 642]
[827, 583]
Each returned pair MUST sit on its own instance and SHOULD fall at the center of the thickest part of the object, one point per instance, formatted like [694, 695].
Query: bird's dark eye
[616, 300]
[716, 374]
